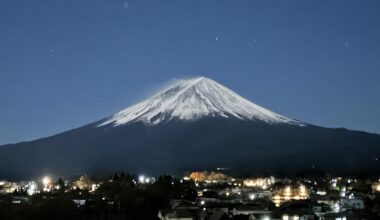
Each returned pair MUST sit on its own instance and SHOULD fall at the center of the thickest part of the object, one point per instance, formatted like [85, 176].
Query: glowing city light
[288, 190]
[252, 196]
[302, 190]
[32, 189]
[336, 207]
[141, 178]
[46, 180]
[32, 186]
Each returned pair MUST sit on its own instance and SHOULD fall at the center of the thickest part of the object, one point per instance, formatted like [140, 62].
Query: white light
[343, 194]
[141, 178]
[265, 218]
[252, 196]
[32, 189]
[288, 191]
[147, 180]
[32, 186]
[351, 196]
[285, 217]
[203, 202]
[302, 189]
[336, 207]
[93, 187]
[46, 180]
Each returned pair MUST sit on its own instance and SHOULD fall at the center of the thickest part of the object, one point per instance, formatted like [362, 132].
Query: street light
[46, 180]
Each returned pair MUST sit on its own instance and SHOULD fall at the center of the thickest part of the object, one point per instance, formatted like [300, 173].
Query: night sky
[65, 63]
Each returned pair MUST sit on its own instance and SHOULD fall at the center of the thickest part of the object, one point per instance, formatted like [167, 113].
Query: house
[354, 203]
[250, 210]
[176, 214]
[219, 215]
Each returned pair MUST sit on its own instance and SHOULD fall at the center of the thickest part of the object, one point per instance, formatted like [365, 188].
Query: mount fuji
[195, 124]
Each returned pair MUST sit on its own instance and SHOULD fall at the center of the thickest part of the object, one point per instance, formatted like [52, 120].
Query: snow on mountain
[192, 99]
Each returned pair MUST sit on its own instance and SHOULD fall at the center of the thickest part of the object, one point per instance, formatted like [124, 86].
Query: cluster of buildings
[22, 191]
[274, 198]
[220, 197]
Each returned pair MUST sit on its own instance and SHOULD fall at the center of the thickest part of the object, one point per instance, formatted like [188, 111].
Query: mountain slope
[192, 125]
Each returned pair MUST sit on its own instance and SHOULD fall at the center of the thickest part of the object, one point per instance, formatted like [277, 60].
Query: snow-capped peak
[191, 99]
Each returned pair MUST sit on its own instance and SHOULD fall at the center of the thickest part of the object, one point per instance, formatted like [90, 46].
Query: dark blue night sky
[65, 63]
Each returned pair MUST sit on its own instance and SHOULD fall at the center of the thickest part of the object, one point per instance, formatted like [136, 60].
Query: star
[216, 38]
[125, 5]
[347, 45]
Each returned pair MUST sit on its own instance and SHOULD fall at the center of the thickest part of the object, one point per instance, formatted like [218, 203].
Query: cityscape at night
[189, 110]
[199, 195]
